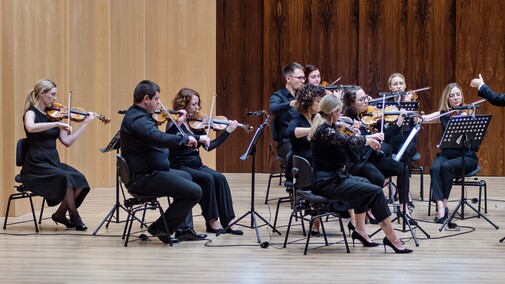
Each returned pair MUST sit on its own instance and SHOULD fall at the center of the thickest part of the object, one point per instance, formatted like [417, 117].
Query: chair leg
[268, 188]
[343, 233]
[421, 190]
[289, 227]
[167, 231]
[7, 211]
[485, 196]
[429, 202]
[33, 213]
[42, 209]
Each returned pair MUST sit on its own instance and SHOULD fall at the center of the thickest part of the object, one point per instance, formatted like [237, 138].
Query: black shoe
[351, 227]
[388, 243]
[211, 230]
[355, 235]
[315, 233]
[410, 204]
[156, 232]
[234, 232]
[64, 221]
[79, 225]
[372, 220]
[440, 220]
[189, 235]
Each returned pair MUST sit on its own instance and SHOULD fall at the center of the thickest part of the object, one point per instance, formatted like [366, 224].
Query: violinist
[216, 202]
[331, 151]
[397, 83]
[145, 149]
[487, 93]
[42, 170]
[374, 165]
[307, 103]
[448, 160]
[313, 75]
[282, 103]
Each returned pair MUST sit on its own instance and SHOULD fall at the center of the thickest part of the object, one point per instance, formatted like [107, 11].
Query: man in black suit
[487, 93]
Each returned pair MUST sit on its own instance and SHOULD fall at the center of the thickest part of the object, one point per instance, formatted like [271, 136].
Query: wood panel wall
[432, 43]
[100, 50]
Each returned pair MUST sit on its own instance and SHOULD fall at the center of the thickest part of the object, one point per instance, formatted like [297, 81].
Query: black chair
[137, 203]
[420, 171]
[476, 182]
[319, 205]
[22, 190]
[281, 161]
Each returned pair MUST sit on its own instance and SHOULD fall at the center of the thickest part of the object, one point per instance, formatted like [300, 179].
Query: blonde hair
[327, 105]
[394, 75]
[42, 86]
[444, 100]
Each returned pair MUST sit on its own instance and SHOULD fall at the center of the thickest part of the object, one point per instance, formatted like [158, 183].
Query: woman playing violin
[331, 151]
[448, 161]
[397, 83]
[375, 165]
[42, 170]
[216, 202]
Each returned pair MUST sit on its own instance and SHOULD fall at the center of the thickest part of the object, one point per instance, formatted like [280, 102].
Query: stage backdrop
[99, 50]
[432, 43]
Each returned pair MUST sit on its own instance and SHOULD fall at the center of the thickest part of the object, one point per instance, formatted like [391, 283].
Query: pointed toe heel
[388, 243]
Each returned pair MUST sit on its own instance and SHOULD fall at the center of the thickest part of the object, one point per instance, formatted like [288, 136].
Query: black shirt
[283, 113]
[143, 145]
[299, 145]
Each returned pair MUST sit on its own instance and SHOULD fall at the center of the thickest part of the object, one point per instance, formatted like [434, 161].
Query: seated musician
[447, 163]
[331, 151]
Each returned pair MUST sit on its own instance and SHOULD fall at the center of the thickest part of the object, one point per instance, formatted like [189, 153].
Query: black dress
[42, 170]
[216, 199]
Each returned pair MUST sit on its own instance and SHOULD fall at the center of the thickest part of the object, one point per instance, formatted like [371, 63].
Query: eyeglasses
[301, 78]
[452, 96]
[365, 99]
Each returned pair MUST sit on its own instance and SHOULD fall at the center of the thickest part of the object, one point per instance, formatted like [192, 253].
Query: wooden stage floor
[470, 253]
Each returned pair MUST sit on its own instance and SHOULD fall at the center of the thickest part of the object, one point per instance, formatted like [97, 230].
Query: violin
[217, 123]
[345, 129]
[373, 114]
[160, 115]
[57, 112]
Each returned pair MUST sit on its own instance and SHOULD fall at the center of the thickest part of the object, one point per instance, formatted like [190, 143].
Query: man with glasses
[282, 103]
[487, 93]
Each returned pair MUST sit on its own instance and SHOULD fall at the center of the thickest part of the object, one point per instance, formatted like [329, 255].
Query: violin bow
[455, 110]
[383, 108]
[335, 81]
[210, 118]
[172, 119]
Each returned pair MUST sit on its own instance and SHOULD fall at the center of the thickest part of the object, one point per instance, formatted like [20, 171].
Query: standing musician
[282, 103]
[145, 149]
[331, 151]
[42, 170]
[216, 202]
[447, 163]
[487, 93]
[374, 165]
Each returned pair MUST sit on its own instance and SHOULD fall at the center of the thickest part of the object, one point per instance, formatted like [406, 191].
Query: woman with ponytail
[42, 170]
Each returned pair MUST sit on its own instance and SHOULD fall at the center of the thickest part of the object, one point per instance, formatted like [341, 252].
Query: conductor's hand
[477, 81]
[192, 142]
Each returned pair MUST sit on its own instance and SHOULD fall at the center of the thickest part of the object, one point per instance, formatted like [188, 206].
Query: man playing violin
[216, 202]
[145, 149]
[487, 93]
[282, 103]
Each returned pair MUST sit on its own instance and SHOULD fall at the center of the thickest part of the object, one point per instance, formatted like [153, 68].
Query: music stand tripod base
[114, 212]
[251, 151]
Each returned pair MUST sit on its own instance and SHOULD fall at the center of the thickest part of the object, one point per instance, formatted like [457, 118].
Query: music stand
[114, 144]
[251, 151]
[464, 132]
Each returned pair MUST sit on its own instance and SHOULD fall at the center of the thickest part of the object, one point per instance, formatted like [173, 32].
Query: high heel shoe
[64, 221]
[355, 235]
[351, 227]
[388, 243]
[79, 225]
[371, 219]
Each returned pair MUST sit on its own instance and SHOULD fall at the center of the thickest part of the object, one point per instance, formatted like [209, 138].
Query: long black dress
[42, 170]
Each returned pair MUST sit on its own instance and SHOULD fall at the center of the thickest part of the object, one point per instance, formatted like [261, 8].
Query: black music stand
[464, 132]
[251, 151]
[114, 144]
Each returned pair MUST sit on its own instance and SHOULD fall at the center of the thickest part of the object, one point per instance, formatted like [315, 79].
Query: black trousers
[174, 183]
[216, 199]
[442, 173]
[378, 168]
[358, 192]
